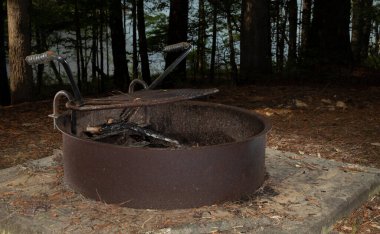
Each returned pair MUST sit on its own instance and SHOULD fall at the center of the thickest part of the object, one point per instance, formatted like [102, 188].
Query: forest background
[109, 43]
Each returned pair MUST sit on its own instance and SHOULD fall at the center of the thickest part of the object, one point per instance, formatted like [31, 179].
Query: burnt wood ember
[112, 129]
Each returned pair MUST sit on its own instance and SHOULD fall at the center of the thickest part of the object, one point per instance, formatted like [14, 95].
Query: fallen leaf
[345, 228]
[376, 144]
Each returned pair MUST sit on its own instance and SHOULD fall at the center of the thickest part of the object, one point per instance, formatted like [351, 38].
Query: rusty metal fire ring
[167, 178]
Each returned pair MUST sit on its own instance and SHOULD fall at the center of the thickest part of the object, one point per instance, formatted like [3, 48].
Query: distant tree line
[247, 41]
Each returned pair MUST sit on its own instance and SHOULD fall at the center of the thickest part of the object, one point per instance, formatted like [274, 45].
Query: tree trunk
[101, 49]
[361, 28]
[377, 38]
[177, 32]
[255, 42]
[368, 19]
[78, 43]
[121, 75]
[305, 26]
[356, 36]
[94, 51]
[213, 45]
[5, 94]
[293, 20]
[142, 42]
[135, 62]
[40, 67]
[280, 40]
[330, 40]
[56, 73]
[234, 71]
[21, 81]
[201, 39]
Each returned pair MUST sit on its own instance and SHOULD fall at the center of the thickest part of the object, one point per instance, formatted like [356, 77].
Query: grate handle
[44, 57]
[177, 47]
[48, 56]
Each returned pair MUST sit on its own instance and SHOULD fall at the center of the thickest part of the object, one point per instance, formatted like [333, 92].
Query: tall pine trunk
[41, 67]
[213, 44]
[177, 32]
[5, 94]
[78, 43]
[305, 26]
[234, 70]
[377, 38]
[121, 75]
[330, 40]
[21, 80]
[255, 42]
[101, 43]
[56, 73]
[143, 47]
[201, 42]
[293, 20]
[135, 62]
[368, 20]
[361, 28]
[280, 39]
[94, 50]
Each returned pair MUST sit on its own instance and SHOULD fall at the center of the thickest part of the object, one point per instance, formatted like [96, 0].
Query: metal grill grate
[141, 98]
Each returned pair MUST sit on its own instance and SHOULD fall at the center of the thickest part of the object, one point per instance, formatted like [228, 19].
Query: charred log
[112, 129]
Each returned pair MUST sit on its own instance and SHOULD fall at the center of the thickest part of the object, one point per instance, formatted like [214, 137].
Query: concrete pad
[302, 194]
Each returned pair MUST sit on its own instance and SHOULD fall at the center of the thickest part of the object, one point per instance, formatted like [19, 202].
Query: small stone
[206, 215]
[326, 101]
[268, 113]
[300, 104]
[341, 104]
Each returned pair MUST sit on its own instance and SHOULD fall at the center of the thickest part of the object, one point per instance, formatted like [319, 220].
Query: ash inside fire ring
[131, 139]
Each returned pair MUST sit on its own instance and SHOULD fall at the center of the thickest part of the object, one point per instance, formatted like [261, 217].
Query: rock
[326, 101]
[341, 104]
[300, 104]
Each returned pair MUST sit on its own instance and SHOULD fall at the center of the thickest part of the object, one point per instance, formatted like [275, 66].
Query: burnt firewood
[111, 129]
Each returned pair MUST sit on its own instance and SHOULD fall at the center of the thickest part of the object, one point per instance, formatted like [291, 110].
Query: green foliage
[50, 15]
[157, 27]
[373, 61]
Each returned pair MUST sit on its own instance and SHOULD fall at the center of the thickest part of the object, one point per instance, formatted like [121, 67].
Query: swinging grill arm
[51, 56]
[172, 48]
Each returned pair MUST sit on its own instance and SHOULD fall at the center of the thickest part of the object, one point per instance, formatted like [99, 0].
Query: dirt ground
[337, 123]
